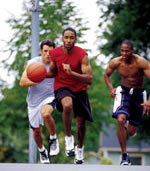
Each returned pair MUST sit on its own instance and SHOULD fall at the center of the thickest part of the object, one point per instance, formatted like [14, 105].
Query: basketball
[36, 72]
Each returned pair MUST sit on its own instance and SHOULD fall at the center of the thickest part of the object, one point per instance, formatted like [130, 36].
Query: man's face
[45, 54]
[126, 51]
[69, 40]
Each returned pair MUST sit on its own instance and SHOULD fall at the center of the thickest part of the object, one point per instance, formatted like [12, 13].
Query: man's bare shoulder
[141, 62]
[114, 63]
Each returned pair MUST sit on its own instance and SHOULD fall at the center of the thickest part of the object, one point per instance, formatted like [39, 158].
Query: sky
[88, 11]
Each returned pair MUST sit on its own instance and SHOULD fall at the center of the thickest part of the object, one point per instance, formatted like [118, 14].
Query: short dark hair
[69, 29]
[48, 43]
[128, 42]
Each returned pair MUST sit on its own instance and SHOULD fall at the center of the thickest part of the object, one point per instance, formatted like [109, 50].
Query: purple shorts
[128, 102]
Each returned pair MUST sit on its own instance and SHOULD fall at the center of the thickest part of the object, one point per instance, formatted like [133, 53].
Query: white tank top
[38, 93]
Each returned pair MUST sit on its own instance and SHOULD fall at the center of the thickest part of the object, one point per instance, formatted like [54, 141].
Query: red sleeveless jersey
[74, 59]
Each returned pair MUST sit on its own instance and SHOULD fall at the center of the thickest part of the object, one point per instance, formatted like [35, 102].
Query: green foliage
[55, 17]
[126, 19]
[101, 103]
[13, 122]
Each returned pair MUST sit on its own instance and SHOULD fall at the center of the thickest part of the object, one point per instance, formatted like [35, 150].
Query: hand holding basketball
[36, 72]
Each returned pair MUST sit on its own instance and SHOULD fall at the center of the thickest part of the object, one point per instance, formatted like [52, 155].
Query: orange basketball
[36, 72]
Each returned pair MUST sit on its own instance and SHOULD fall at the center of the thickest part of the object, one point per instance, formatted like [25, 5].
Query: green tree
[101, 103]
[126, 19]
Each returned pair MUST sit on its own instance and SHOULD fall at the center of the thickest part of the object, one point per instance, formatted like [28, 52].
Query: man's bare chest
[129, 70]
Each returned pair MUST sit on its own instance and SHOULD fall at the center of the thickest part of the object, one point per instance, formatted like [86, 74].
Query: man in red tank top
[73, 75]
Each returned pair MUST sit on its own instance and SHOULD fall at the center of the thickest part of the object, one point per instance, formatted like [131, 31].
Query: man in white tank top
[41, 104]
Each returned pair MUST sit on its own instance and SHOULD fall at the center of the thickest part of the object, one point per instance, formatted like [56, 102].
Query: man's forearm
[86, 78]
[108, 82]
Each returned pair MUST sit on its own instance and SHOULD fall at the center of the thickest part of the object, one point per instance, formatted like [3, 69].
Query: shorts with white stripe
[128, 102]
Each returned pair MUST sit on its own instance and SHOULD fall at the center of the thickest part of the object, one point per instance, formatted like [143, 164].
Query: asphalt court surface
[68, 167]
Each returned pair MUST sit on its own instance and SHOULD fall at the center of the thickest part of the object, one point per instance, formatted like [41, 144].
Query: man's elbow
[51, 74]
[21, 84]
[106, 76]
[90, 81]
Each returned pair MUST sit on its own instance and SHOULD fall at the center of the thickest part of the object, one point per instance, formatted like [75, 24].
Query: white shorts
[34, 113]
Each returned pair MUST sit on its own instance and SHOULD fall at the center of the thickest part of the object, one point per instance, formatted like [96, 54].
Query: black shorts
[53, 103]
[81, 105]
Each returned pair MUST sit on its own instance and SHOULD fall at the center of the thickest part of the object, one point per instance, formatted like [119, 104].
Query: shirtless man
[130, 98]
